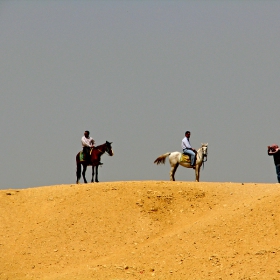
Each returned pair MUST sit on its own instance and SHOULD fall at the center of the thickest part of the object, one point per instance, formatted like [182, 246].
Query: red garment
[274, 149]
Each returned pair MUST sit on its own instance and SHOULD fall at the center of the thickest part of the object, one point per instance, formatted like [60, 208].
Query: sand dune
[141, 230]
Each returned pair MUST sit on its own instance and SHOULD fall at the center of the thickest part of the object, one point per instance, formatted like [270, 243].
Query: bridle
[107, 150]
[204, 155]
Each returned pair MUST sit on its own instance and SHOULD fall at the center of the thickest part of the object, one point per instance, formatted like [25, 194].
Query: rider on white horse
[187, 148]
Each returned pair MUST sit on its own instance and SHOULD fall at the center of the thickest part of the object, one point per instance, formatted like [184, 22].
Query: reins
[203, 156]
[104, 151]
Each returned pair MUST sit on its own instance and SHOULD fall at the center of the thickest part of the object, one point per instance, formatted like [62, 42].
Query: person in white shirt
[87, 143]
[187, 148]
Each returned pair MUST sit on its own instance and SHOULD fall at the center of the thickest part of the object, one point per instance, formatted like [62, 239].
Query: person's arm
[186, 144]
[92, 142]
[85, 142]
[183, 145]
[269, 151]
[190, 147]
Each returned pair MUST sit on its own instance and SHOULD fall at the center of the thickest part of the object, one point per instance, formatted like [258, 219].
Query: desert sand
[141, 230]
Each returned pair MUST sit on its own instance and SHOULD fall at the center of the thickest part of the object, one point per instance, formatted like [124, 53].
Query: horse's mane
[104, 144]
[96, 147]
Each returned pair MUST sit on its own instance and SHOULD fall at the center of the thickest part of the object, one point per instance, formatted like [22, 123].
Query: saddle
[185, 158]
[83, 156]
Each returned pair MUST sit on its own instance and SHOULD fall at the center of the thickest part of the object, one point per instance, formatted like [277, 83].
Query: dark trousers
[278, 172]
[86, 152]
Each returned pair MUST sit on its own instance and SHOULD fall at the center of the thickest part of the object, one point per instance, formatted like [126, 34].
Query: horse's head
[204, 148]
[109, 149]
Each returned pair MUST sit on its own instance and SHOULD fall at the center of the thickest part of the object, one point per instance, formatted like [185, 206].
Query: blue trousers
[191, 154]
[278, 172]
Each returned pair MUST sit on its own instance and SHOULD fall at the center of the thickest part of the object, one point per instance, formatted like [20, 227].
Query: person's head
[188, 134]
[86, 133]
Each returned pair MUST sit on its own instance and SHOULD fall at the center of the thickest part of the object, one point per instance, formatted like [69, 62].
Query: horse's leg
[173, 161]
[175, 168]
[197, 172]
[84, 173]
[92, 175]
[172, 171]
[78, 172]
[96, 174]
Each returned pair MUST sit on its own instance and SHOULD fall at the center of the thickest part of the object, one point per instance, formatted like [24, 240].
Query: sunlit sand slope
[141, 230]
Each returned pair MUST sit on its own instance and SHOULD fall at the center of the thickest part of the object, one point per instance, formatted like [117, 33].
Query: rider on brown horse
[88, 144]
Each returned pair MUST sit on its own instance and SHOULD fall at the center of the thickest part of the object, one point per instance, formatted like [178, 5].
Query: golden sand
[141, 230]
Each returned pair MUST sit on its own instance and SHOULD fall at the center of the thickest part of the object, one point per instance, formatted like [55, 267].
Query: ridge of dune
[141, 230]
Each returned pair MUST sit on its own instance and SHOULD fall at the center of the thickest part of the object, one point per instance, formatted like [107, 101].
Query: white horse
[175, 160]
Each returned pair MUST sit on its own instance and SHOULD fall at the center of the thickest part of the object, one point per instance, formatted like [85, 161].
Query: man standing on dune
[274, 151]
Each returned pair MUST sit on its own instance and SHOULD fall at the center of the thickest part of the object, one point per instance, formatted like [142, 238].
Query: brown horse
[95, 156]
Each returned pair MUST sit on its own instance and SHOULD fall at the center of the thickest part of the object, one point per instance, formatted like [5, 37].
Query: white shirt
[186, 143]
[87, 142]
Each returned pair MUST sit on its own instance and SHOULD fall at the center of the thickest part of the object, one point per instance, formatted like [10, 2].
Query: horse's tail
[161, 159]
[79, 168]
